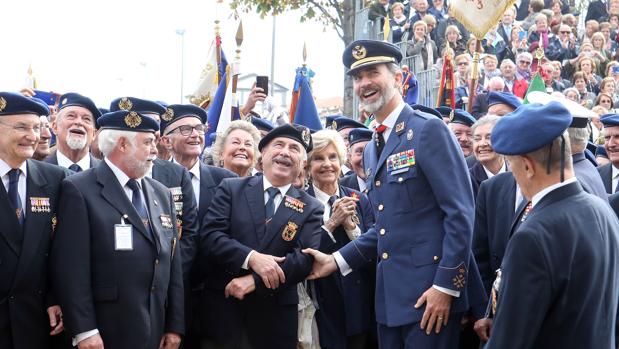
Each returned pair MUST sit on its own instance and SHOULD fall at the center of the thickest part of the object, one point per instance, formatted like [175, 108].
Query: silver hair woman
[237, 148]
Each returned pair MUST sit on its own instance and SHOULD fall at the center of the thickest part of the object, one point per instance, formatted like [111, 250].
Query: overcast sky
[106, 49]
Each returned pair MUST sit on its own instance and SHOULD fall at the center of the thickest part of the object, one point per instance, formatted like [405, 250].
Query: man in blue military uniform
[424, 217]
[75, 127]
[610, 171]
[114, 263]
[561, 264]
[253, 234]
[28, 203]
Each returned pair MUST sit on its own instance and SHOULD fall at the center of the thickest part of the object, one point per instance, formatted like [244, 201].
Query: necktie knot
[272, 192]
[270, 205]
[380, 129]
[133, 185]
[75, 168]
[332, 200]
[14, 175]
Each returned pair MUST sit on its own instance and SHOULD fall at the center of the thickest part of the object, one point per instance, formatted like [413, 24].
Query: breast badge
[290, 231]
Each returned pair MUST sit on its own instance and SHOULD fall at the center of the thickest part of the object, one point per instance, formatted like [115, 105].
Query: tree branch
[338, 26]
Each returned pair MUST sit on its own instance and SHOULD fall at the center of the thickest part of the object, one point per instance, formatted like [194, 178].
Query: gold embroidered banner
[478, 16]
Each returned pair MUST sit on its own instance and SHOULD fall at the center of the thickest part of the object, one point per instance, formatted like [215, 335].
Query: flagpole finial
[239, 41]
[304, 53]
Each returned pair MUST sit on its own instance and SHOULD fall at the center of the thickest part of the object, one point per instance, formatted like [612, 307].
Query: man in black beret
[115, 264]
[253, 234]
[357, 139]
[28, 205]
[74, 127]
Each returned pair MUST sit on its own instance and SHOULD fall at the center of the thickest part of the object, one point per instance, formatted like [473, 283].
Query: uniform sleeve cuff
[341, 264]
[84, 335]
[245, 265]
[447, 291]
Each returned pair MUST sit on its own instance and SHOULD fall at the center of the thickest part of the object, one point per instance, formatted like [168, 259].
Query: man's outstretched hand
[324, 264]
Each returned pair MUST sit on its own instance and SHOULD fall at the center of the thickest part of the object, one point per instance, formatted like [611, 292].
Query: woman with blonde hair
[421, 44]
[236, 149]
[344, 303]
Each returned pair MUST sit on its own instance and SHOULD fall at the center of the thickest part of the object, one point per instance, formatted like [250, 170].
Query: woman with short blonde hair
[236, 149]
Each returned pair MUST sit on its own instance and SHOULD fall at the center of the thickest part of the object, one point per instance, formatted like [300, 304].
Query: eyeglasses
[524, 62]
[463, 63]
[23, 128]
[565, 32]
[187, 130]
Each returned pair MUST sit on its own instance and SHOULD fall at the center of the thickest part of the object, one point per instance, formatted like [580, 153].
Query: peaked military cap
[363, 53]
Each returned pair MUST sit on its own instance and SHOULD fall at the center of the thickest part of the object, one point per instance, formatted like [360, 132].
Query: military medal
[294, 204]
[39, 205]
[166, 221]
[290, 231]
[399, 127]
[409, 134]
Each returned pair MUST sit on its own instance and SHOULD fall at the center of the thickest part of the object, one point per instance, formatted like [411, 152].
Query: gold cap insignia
[334, 125]
[168, 115]
[2, 103]
[290, 231]
[359, 52]
[451, 115]
[125, 104]
[133, 120]
[64, 101]
[305, 134]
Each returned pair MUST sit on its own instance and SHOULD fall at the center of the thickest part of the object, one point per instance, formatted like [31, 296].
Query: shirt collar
[391, 119]
[615, 171]
[5, 168]
[64, 161]
[539, 196]
[195, 170]
[120, 175]
[501, 170]
[324, 197]
[282, 190]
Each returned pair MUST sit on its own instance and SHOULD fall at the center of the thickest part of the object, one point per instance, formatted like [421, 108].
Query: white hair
[108, 138]
[323, 138]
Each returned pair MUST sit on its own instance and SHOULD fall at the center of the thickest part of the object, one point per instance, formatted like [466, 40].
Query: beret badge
[2, 103]
[133, 120]
[168, 115]
[125, 104]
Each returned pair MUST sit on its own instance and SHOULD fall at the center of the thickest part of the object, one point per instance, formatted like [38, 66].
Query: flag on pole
[410, 88]
[208, 82]
[446, 88]
[303, 109]
[386, 29]
[537, 84]
[230, 108]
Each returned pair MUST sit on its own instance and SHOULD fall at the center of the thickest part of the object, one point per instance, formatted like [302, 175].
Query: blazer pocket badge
[294, 204]
[40, 205]
[290, 231]
[166, 221]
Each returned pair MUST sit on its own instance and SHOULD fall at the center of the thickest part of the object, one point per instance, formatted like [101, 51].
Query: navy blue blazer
[24, 291]
[132, 297]
[478, 175]
[564, 270]
[53, 159]
[614, 202]
[494, 214]
[606, 172]
[345, 304]
[234, 225]
[588, 177]
[424, 237]
[350, 181]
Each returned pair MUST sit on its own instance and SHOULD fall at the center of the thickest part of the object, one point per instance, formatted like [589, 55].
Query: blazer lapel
[206, 187]
[280, 219]
[35, 223]
[254, 194]
[10, 229]
[115, 195]
[153, 212]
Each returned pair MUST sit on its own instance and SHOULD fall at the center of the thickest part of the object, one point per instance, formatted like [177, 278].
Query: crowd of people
[425, 228]
[579, 62]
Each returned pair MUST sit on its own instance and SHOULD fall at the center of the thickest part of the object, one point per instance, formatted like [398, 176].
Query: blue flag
[215, 110]
[304, 112]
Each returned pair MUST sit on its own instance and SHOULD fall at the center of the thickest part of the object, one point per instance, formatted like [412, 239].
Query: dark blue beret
[298, 133]
[609, 120]
[262, 124]
[344, 122]
[329, 121]
[529, 128]
[445, 111]
[461, 116]
[15, 103]
[103, 110]
[128, 121]
[359, 135]
[363, 53]
[503, 98]
[423, 108]
[137, 104]
[601, 151]
[76, 99]
[43, 103]
[176, 112]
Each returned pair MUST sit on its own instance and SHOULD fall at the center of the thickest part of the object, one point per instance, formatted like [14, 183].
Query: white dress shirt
[390, 120]
[615, 178]
[540, 195]
[501, 170]
[21, 185]
[362, 185]
[276, 201]
[123, 179]
[65, 162]
[324, 199]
